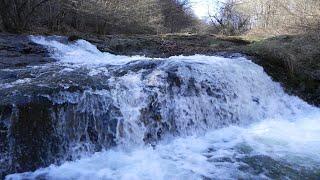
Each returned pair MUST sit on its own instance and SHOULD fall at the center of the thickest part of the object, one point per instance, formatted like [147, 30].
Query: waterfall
[102, 116]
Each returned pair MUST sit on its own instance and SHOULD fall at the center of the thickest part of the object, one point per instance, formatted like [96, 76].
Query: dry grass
[295, 52]
[293, 60]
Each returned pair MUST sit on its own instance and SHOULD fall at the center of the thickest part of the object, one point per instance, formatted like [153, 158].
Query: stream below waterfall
[185, 117]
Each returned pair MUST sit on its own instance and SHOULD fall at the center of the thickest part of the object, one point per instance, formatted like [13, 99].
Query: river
[183, 117]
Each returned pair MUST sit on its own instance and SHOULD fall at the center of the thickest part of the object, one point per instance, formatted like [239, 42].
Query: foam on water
[196, 157]
[275, 129]
[81, 52]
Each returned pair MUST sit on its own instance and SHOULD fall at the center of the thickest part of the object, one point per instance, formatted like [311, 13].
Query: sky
[200, 7]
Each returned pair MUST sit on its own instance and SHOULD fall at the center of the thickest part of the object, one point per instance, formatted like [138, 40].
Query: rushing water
[184, 117]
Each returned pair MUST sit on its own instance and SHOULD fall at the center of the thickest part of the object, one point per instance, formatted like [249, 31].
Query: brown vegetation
[92, 16]
[271, 17]
[293, 60]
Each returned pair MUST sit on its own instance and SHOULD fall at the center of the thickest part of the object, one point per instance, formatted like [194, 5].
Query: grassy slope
[292, 60]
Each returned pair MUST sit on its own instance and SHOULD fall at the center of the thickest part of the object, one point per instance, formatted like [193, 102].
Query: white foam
[190, 157]
[17, 82]
[82, 52]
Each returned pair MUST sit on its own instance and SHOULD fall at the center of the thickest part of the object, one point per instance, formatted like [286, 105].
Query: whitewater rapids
[240, 126]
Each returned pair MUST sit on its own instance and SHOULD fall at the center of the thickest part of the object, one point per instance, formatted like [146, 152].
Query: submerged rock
[275, 169]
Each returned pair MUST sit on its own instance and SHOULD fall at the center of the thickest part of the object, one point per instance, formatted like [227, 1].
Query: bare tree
[98, 16]
[17, 14]
[177, 14]
[282, 15]
[228, 20]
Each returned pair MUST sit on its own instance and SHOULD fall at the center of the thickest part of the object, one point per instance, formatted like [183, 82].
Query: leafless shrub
[271, 16]
[98, 16]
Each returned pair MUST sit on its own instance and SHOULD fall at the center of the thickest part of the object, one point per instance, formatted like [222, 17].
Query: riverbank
[294, 61]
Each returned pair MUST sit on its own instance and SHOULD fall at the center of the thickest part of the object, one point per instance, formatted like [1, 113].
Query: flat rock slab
[20, 51]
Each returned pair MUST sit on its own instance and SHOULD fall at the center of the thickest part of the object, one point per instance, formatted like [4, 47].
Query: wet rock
[32, 131]
[174, 79]
[52, 117]
[18, 51]
[39, 131]
[74, 38]
[275, 169]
